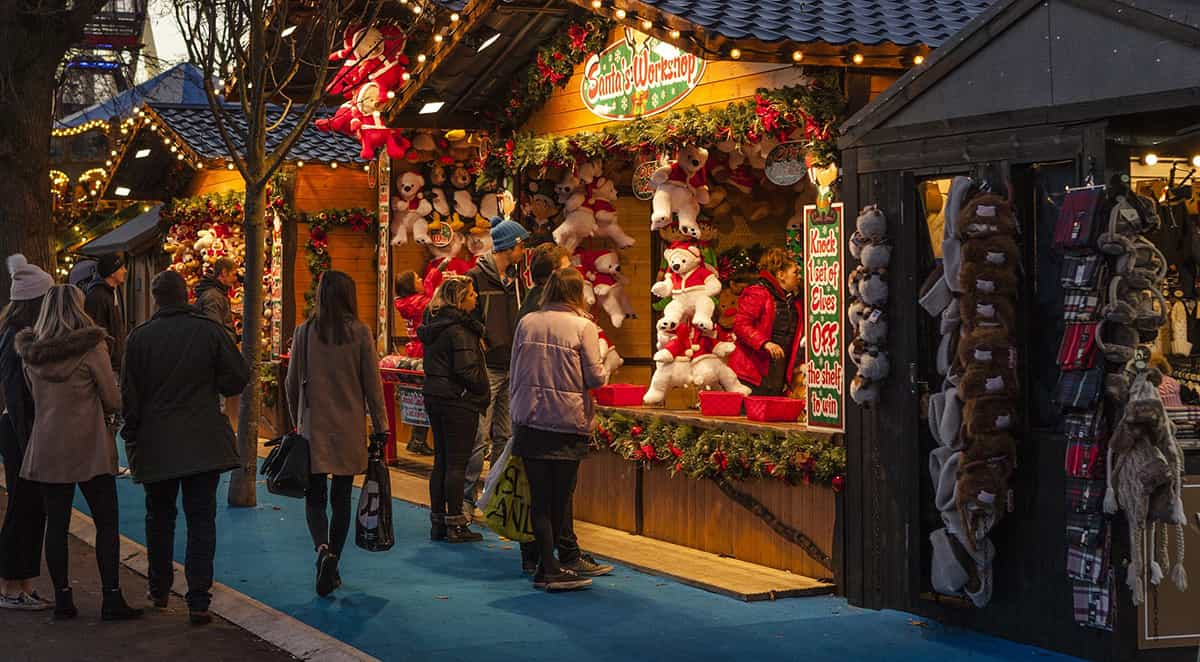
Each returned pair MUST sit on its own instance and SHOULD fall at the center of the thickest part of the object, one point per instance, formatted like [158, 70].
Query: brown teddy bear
[993, 446]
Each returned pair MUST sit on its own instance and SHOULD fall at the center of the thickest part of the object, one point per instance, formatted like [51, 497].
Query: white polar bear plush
[609, 355]
[409, 209]
[464, 204]
[680, 189]
[691, 284]
[579, 221]
[693, 357]
[602, 274]
[709, 371]
[570, 192]
[479, 244]
[601, 199]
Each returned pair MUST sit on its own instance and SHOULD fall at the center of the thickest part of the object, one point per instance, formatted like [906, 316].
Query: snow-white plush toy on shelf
[680, 189]
[691, 284]
[693, 357]
[868, 289]
[579, 221]
[409, 209]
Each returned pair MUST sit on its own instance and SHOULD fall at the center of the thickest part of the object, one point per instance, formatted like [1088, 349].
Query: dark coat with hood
[176, 365]
[16, 398]
[212, 300]
[455, 373]
[73, 384]
[498, 310]
[101, 303]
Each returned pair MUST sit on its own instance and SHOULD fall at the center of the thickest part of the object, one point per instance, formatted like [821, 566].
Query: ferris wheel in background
[105, 62]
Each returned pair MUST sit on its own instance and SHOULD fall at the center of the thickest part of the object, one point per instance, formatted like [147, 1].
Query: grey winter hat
[29, 282]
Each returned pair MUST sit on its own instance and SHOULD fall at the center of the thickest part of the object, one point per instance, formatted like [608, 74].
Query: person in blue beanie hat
[501, 288]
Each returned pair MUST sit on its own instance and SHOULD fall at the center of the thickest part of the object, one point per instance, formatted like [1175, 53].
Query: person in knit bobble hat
[25, 518]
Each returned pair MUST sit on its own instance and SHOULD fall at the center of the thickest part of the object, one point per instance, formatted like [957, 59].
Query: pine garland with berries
[316, 247]
[794, 457]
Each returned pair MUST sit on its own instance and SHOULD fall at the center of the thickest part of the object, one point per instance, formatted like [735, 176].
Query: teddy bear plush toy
[341, 121]
[479, 243]
[691, 284]
[609, 355]
[680, 189]
[579, 221]
[464, 204]
[370, 54]
[690, 356]
[435, 193]
[601, 197]
[539, 208]
[602, 270]
[489, 199]
[410, 209]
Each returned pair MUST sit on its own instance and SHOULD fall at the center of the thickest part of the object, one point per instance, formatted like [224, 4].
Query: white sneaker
[23, 602]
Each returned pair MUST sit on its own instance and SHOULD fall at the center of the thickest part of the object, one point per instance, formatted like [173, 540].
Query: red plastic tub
[619, 395]
[721, 403]
[777, 409]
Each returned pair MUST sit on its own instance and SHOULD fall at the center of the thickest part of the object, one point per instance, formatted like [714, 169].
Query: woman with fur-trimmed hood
[74, 392]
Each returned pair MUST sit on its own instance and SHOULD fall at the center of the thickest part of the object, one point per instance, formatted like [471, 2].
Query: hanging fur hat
[987, 310]
[873, 288]
[987, 278]
[999, 251]
[871, 223]
[875, 365]
[1117, 342]
[987, 345]
[986, 215]
[876, 255]
[864, 391]
[988, 415]
[985, 380]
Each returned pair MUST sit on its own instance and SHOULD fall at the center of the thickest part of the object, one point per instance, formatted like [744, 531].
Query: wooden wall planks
[349, 251]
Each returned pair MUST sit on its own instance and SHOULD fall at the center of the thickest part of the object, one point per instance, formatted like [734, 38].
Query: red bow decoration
[317, 234]
[721, 460]
[547, 71]
[814, 131]
[648, 452]
[675, 450]
[510, 149]
[767, 113]
[578, 34]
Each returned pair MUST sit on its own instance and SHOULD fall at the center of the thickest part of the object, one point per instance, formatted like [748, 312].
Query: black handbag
[288, 465]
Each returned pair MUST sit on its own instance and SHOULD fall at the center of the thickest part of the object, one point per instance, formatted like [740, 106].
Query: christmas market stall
[1030, 471]
[667, 148]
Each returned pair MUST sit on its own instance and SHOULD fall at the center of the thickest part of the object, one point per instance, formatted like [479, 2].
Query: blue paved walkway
[427, 601]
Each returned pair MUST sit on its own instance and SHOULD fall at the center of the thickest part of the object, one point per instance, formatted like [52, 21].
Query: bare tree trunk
[242, 490]
[26, 104]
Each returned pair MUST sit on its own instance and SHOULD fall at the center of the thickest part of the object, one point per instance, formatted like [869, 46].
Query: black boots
[115, 609]
[327, 574]
[64, 604]
[458, 531]
[418, 447]
[437, 527]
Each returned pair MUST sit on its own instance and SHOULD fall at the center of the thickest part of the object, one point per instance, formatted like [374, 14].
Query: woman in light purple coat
[555, 363]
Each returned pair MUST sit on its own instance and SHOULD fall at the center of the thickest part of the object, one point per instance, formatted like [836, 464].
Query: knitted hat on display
[109, 265]
[506, 234]
[28, 280]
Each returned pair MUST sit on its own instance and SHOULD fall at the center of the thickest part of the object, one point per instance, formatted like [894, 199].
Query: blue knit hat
[506, 233]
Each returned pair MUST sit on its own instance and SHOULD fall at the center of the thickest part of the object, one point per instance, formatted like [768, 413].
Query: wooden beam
[472, 15]
[1143, 19]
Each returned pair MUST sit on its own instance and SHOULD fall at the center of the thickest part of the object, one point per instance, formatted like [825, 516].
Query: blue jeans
[495, 425]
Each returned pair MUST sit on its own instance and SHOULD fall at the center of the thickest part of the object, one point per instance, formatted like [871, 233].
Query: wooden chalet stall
[321, 215]
[553, 97]
[1038, 99]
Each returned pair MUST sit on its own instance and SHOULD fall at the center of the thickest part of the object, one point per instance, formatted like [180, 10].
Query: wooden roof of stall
[1035, 62]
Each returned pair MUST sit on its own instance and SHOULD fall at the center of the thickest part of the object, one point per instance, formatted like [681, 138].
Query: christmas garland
[316, 248]
[794, 457]
[807, 113]
[552, 67]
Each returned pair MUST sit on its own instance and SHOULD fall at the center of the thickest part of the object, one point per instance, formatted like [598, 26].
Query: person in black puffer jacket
[456, 392]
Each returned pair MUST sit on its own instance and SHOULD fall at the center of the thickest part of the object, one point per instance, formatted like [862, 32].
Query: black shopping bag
[287, 466]
[373, 527]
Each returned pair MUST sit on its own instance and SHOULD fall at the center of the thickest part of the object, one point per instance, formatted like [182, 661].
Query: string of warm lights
[91, 125]
[660, 26]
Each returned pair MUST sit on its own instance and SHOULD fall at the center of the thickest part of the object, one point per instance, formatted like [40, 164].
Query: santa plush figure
[691, 284]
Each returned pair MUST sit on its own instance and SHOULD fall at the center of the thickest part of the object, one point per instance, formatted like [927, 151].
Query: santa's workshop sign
[825, 309]
[638, 76]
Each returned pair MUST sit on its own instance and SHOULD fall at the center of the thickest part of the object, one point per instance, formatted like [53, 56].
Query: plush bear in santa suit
[409, 209]
[371, 54]
[609, 355]
[602, 270]
[579, 220]
[693, 357]
[371, 129]
[691, 284]
[680, 189]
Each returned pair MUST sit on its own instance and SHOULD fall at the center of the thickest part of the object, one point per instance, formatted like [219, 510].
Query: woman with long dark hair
[456, 393]
[332, 383]
[555, 364]
[25, 518]
[72, 442]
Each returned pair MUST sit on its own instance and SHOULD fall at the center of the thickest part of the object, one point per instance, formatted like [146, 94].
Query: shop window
[931, 194]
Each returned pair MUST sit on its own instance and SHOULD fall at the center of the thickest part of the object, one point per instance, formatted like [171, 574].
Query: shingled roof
[195, 125]
[868, 22]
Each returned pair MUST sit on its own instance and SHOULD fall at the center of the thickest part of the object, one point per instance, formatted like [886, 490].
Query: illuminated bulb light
[596, 4]
[454, 18]
[918, 60]
[675, 34]
[174, 149]
[77, 228]
[621, 14]
[114, 152]
[391, 94]
[366, 168]
[646, 25]
[438, 38]
[858, 58]
[333, 164]
[1150, 159]
[735, 53]
[416, 9]
[108, 163]
[406, 76]
[180, 156]
[797, 56]
[229, 165]
[124, 131]
[299, 164]
[421, 58]
[1196, 160]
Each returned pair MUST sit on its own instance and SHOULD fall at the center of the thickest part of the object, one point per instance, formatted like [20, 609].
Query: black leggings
[25, 518]
[324, 532]
[454, 431]
[552, 487]
[101, 495]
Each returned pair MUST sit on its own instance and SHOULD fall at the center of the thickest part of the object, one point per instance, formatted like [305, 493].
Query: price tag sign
[642, 188]
[785, 164]
[824, 307]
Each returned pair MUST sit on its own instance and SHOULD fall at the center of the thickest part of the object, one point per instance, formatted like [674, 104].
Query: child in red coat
[411, 299]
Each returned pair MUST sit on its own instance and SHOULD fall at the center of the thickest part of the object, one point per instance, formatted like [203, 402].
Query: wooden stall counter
[764, 521]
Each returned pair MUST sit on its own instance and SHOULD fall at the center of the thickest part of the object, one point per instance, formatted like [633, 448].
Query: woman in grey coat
[332, 383]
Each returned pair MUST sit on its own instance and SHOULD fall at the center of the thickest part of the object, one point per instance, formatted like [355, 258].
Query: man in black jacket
[175, 366]
[212, 293]
[103, 303]
[498, 281]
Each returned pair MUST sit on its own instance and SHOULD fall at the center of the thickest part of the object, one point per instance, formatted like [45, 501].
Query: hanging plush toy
[489, 198]
[343, 121]
[409, 210]
[579, 221]
[691, 284]
[602, 269]
[464, 204]
[680, 189]
[370, 54]
[600, 196]
[371, 129]
[435, 193]
[540, 208]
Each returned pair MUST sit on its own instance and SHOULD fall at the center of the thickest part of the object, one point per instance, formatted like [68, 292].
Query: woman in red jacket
[769, 326]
